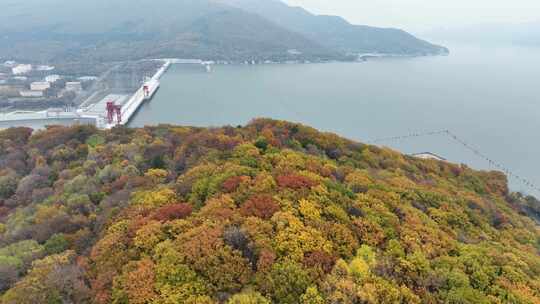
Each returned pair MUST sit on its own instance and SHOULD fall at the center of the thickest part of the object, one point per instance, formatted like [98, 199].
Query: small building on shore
[74, 86]
[21, 69]
[43, 68]
[31, 93]
[52, 78]
[10, 64]
[87, 78]
[11, 90]
[40, 86]
[294, 52]
[20, 78]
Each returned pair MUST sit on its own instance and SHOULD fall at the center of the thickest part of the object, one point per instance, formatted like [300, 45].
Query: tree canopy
[272, 212]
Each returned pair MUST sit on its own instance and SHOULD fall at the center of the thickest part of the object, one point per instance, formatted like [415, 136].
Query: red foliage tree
[136, 223]
[500, 220]
[263, 206]
[17, 135]
[320, 259]
[232, 183]
[3, 211]
[173, 212]
[295, 181]
[119, 183]
[266, 260]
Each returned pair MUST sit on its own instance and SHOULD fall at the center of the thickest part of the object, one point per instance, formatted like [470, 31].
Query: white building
[10, 64]
[74, 86]
[52, 78]
[21, 69]
[40, 86]
[30, 93]
[20, 78]
[87, 78]
[429, 155]
[294, 52]
[44, 68]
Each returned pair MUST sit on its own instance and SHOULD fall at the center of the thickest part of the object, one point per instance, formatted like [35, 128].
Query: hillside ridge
[270, 212]
[122, 30]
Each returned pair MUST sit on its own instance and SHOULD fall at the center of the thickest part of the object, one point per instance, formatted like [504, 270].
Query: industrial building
[88, 78]
[52, 78]
[74, 86]
[44, 68]
[21, 69]
[20, 78]
[10, 64]
[32, 94]
[40, 86]
[10, 89]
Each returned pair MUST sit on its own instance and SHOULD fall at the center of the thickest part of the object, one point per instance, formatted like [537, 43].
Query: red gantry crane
[112, 109]
[146, 90]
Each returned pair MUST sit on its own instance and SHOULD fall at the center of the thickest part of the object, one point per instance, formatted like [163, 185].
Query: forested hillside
[118, 30]
[337, 33]
[273, 212]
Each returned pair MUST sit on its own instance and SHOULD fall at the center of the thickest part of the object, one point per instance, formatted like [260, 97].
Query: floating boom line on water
[467, 146]
[411, 135]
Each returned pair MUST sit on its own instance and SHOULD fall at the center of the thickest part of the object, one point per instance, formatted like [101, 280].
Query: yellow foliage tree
[309, 210]
[155, 198]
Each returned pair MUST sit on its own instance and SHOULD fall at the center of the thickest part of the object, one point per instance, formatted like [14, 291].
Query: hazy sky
[420, 15]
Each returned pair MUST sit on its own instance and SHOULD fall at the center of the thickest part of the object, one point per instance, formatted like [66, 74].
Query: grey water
[489, 97]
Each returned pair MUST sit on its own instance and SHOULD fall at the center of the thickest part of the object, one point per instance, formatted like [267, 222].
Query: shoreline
[135, 98]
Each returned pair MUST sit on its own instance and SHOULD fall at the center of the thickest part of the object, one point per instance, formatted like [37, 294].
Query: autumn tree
[263, 206]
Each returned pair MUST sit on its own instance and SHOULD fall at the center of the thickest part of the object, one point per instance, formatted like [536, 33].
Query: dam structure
[114, 110]
[104, 112]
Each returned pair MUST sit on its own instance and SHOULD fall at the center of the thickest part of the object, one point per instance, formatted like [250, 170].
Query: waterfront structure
[31, 93]
[10, 89]
[94, 113]
[181, 61]
[74, 86]
[40, 86]
[21, 69]
[44, 68]
[40, 119]
[294, 52]
[121, 106]
[98, 110]
[10, 64]
[52, 78]
[87, 78]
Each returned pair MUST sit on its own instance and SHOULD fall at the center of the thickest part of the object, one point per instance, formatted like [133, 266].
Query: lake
[488, 97]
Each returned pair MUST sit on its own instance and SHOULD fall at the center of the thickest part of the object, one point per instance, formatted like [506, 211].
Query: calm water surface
[488, 97]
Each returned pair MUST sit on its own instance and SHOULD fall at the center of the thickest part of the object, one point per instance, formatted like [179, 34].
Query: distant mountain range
[109, 30]
[336, 33]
